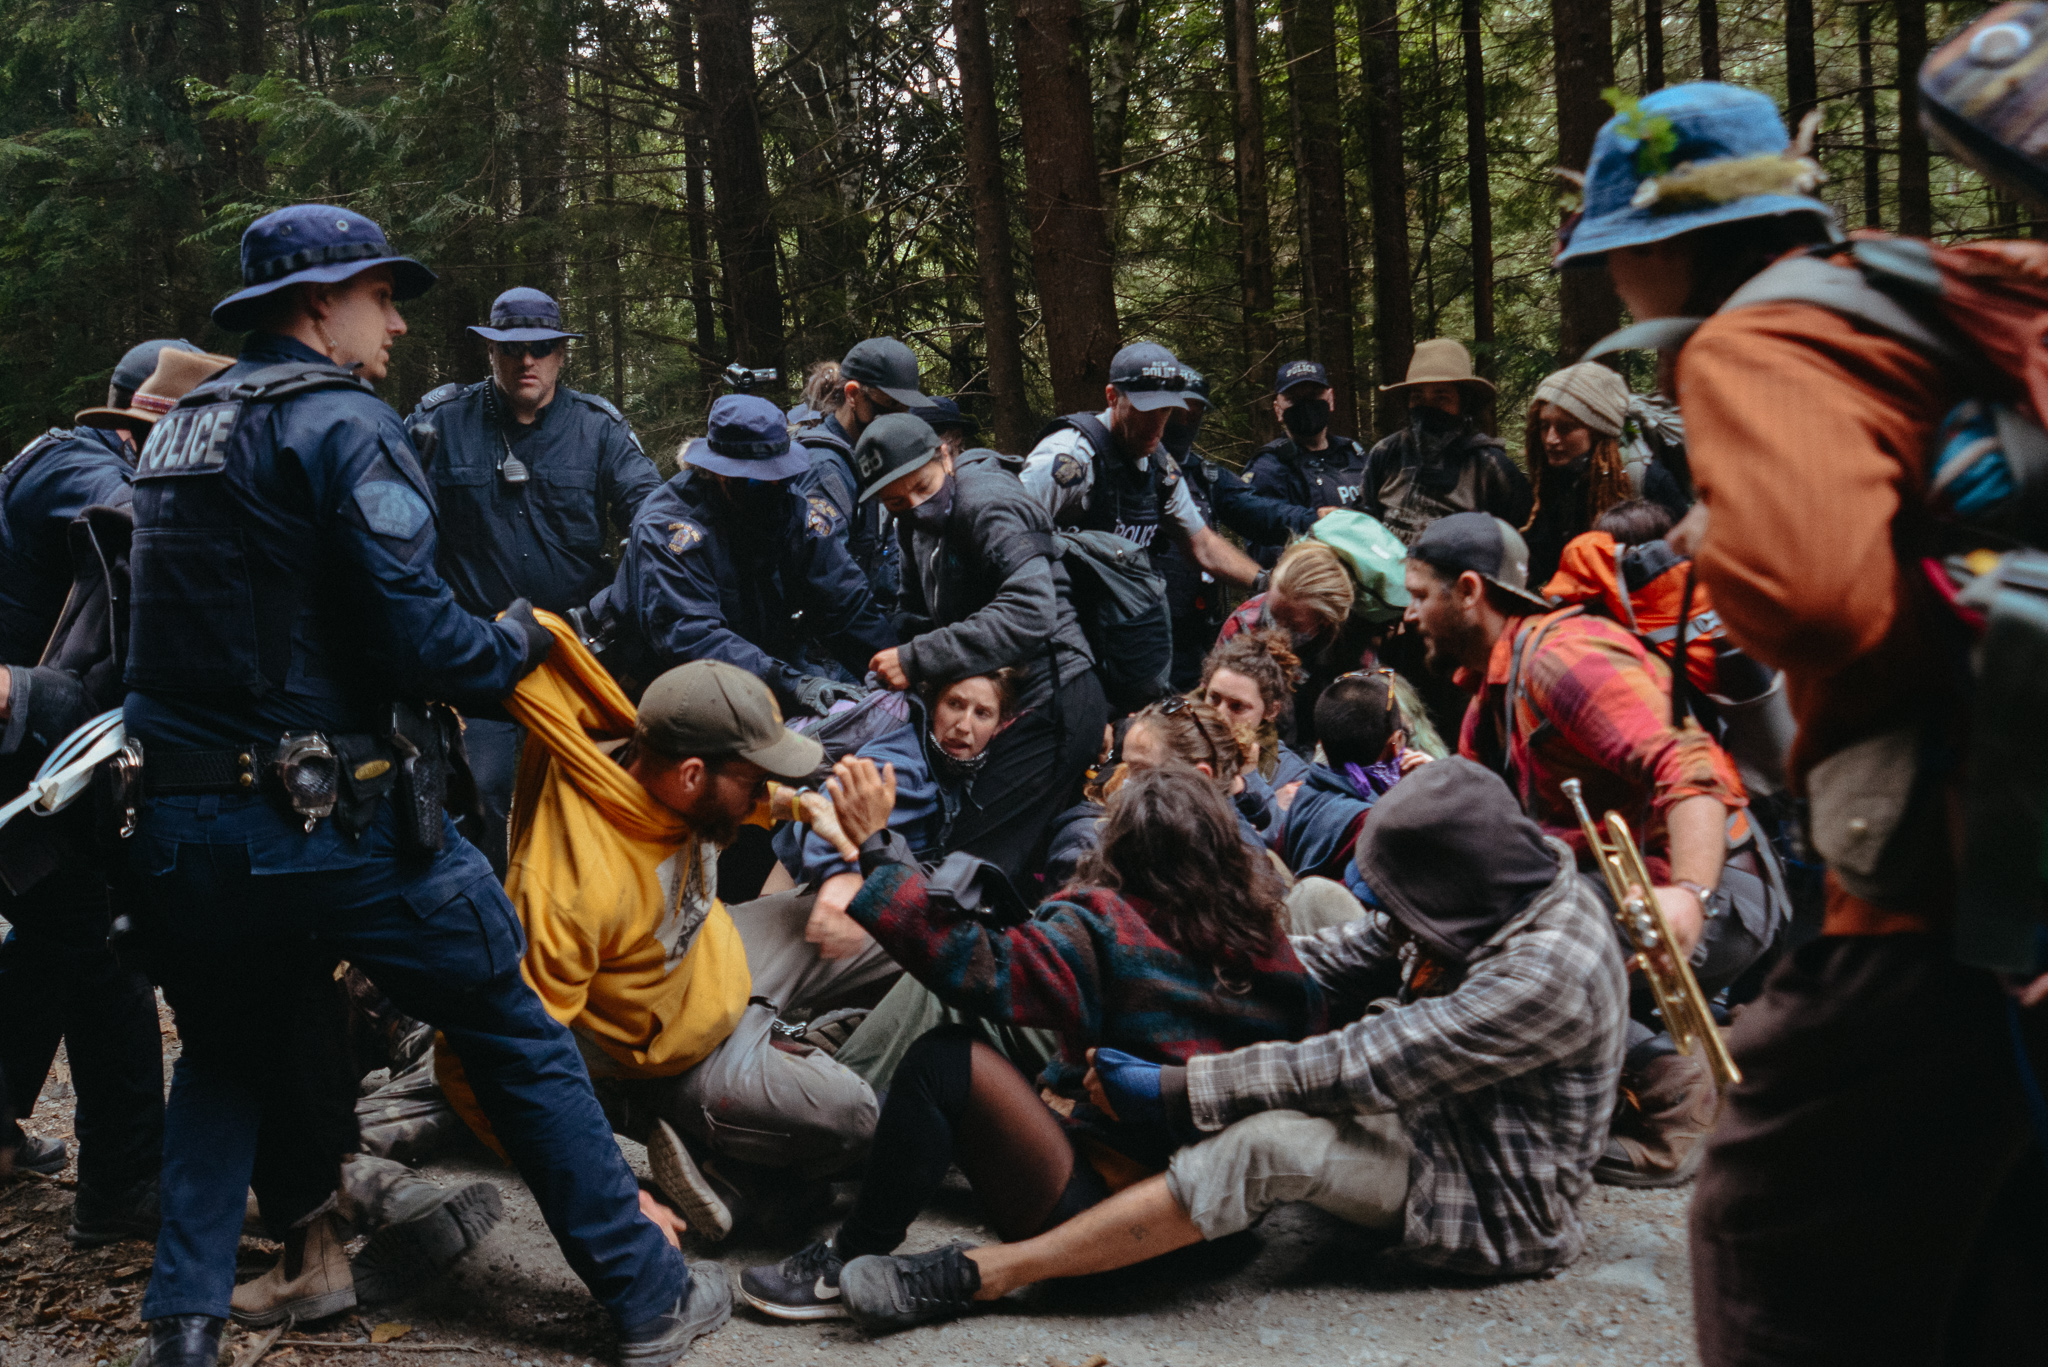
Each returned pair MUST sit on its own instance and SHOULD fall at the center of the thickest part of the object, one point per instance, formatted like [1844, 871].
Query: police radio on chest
[511, 469]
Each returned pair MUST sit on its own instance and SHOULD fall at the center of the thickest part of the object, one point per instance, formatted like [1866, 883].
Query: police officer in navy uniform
[878, 376]
[1311, 469]
[1107, 471]
[58, 979]
[288, 616]
[1222, 495]
[525, 471]
[739, 558]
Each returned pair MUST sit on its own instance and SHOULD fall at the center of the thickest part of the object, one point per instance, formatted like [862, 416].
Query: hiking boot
[668, 1336]
[310, 1282]
[701, 1204]
[181, 1341]
[803, 1286]
[1669, 1107]
[417, 1228]
[887, 1292]
[46, 1156]
[131, 1215]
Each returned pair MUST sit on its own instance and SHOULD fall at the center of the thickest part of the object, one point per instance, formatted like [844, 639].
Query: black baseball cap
[888, 365]
[1149, 376]
[1300, 372]
[892, 446]
[1485, 545]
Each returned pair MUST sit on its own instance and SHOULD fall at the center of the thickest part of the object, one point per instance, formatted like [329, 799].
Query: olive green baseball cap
[710, 708]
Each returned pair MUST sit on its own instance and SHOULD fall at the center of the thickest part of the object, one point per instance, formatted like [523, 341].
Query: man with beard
[724, 557]
[1442, 462]
[1311, 469]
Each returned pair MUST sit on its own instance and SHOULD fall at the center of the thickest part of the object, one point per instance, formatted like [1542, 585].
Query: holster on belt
[432, 773]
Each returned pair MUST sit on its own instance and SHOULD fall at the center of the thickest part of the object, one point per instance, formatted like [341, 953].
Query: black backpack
[1120, 601]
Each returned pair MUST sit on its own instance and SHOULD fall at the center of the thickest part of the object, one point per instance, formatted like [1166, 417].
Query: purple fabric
[1369, 781]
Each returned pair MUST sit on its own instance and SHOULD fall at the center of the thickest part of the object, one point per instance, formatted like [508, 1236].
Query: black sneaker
[409, 1254]
[95, 1221]
[668, 1336]
[887, 1293]
[46, 1156]
[803, 1286]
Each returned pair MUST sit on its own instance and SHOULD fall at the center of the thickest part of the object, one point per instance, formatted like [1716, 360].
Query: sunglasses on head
[1386, 674]
[512, 351]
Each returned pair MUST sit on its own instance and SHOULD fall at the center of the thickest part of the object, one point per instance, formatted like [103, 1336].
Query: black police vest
[223, 577]
[1335, 475]
[1124, 499]
[1187, 593]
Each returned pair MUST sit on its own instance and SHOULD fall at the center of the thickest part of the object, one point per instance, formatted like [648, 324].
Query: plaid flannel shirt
[1594, 705]
[1505, 1085]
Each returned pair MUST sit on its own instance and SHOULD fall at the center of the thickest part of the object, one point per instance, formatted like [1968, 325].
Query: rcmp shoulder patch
[684, 535]
[1068, 469]
[391, 509]
[1169, 472]
[820, 517]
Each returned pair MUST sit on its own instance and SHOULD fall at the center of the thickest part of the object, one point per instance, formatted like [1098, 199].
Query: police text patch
[189, 441]
[683, 535]
[821, 517]
[391, 509]
[1068, 470]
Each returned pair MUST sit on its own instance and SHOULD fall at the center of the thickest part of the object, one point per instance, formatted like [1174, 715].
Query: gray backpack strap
[1845, 290]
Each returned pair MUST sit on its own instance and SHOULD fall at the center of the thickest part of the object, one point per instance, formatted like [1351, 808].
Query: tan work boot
[1668, 1109]
[311, 1282]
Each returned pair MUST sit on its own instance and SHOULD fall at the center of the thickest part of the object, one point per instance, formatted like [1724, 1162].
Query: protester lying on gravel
[1170, 949]
[1461, 1120]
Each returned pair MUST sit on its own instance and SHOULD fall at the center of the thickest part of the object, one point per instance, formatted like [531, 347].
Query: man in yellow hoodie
[672, 997]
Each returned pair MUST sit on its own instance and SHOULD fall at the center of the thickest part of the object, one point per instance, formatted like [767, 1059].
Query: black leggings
[956, 1100]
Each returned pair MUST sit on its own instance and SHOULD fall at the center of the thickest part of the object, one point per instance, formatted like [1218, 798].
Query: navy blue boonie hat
[748, 438]
[942, 413]
[1149, 376]
[524, 315]
[1300, 372]
[1688, 157]
[313, 244]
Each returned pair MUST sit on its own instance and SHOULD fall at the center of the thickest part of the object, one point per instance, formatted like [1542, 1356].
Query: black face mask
[1306, 417]
[1180, 436]
[1435, 432]
[752, 496]
[930, 516]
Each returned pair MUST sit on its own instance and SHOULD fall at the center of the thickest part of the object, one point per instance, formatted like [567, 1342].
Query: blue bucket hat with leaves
[1688, 157]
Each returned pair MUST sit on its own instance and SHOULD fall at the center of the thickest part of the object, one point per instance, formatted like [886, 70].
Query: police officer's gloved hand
[539, 640]
[816, 695]
[1145, 1094]
[46, 705]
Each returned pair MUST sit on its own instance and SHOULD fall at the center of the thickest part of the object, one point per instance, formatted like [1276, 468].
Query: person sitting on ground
[1250, 677]
[1366, 752]
[1310, 596]
[671, 996]
[1171, 949]
[1460, 1119]
[1570, 694]
[1175, 732]
[936, 764]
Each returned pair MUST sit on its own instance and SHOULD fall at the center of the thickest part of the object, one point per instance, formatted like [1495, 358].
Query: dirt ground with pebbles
[1301, 1287]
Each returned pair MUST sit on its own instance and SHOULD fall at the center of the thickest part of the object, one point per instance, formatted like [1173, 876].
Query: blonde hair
[1313, 575]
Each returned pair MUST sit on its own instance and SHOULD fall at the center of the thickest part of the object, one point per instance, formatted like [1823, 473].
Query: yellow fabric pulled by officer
[608, 943]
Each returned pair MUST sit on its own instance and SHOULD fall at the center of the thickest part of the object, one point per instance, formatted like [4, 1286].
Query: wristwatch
[1704, 893]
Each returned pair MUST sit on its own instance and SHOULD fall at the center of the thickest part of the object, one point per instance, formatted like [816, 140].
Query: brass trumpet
[1679, 999]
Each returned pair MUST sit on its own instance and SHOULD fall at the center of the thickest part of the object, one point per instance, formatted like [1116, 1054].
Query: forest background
[1013, 186]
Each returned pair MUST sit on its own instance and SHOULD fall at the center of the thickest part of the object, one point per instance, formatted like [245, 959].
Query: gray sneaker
[668, 1336]
[700, 1204]
[888, 1292]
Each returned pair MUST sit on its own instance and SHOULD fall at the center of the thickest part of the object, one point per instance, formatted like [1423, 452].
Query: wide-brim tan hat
[177, 374]
[1440, 360]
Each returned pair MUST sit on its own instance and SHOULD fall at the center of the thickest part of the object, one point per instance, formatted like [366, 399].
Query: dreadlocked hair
[1171, 843]
[1267, 658]
[1607, 481]
[1196, 733]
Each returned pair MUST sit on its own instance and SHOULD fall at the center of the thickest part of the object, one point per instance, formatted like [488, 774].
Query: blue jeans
[254, 914]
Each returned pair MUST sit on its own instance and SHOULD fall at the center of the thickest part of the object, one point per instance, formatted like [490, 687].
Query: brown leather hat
[1440, 360]
[177, 374]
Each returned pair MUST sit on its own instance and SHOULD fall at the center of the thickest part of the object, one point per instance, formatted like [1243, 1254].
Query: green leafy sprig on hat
[1655, 138]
